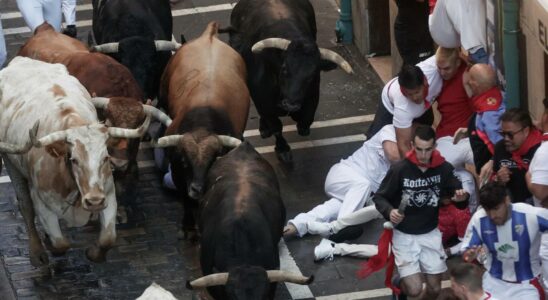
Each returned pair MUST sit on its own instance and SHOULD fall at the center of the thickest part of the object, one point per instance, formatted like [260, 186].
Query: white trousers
[349, 190]
[69, 11]
[459, 155]
[36, 12]
[459, 23]
[355, 250]
[3, 52]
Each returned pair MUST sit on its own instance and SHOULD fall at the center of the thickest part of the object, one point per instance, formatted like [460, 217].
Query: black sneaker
[70, 30]
[347, 234]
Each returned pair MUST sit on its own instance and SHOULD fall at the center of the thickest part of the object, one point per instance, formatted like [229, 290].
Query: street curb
[6, 289]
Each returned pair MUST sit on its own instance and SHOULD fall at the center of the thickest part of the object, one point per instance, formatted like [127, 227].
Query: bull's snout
[289, 106]
[195, 190]
[94, 201]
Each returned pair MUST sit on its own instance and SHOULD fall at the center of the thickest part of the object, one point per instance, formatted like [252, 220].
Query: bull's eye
[73, 161]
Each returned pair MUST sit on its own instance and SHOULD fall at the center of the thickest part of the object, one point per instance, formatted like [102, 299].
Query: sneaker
[290, 230]
[321, 228]
[324, 251]
[70, 30]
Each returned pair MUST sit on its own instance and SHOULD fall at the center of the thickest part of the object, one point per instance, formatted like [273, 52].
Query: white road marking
[368, 294]
[84, 23]
[287, 263]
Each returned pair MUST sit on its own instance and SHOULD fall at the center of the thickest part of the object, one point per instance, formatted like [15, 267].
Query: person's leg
[69, 12]
[433, 286]
[31, 10]
[52, 13]
[327, 249]
[407, 259]
[432, 261]
[3, 52]
[360, 216]
[356, 196]
[382, 117]
[325, 212]
[413, 286]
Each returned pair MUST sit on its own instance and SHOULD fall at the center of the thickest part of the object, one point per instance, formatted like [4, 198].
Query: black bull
[242, 217]
[277, 39]
[137, 33]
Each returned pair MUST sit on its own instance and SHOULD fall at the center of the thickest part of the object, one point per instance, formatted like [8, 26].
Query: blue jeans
[480, 56]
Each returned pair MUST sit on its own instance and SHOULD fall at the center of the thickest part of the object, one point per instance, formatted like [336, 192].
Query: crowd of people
[476, 186]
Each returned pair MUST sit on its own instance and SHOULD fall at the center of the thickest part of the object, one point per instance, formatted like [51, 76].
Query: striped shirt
[513, 248]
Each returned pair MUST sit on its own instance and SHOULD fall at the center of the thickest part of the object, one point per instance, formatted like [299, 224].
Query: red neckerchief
[435, 161]
[534, 138]
[489, 100]
[545, 137]
[432, 4]
[424, 93]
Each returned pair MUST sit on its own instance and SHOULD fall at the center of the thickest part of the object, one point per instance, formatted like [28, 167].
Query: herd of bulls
[71, 118]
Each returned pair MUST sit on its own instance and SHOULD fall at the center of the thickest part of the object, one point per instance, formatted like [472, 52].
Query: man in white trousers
[69, 12]
[3, 52]
[351, 182]
[36, 12]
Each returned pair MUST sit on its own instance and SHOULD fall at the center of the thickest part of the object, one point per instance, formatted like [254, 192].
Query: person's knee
[413, 289]
[434, 290]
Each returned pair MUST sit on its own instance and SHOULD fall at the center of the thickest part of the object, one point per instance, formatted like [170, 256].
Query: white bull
[68, 175]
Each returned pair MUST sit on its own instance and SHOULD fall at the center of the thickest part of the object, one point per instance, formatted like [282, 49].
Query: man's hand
[503, 175]
[486, 172]
[459, 135]
[460, 195]
[471, 254]
[395, 217]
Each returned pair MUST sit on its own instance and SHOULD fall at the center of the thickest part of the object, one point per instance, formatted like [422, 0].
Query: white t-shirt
[370, 160]
[405, 110]
[539, 165]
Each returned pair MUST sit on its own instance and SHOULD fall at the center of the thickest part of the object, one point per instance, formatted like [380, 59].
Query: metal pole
[343, 28]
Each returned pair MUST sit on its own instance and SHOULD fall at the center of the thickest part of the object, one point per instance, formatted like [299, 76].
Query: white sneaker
[321, 228]
[324, 250]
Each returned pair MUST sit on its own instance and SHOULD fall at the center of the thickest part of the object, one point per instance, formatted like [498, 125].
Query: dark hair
[516, 115]
[468, 275]
[424, 133]
[410, 77]
[492, 195]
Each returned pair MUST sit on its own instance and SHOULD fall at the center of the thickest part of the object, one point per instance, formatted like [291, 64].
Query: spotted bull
[207, 98]
[67, 175]
[120, 103]
[277, 39]
[241, 223]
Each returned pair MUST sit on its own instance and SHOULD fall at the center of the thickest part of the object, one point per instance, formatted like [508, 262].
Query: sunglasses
[510, 134]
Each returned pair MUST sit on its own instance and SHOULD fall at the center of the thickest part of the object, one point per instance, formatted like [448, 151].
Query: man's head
[448, 62]
[481, 78]
[466, 279]
[516, 125]
[495, 201]
[424, 143]
[412, 83]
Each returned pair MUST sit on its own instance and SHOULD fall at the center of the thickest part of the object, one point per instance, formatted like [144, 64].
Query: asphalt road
[152, 251]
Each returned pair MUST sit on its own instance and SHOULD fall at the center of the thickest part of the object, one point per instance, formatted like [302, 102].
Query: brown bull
[204, 89]
[102, 76]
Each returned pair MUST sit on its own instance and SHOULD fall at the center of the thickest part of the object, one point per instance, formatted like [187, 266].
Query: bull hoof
[265, 133]
[96, 254]
[59, 249]
[285, 156]
[39, 258]
[303, 131]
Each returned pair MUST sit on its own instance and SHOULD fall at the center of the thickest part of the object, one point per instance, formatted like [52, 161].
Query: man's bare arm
[391, 151]
[403, 137]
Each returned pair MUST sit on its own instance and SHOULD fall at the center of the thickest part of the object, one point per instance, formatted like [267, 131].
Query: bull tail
[211, 30]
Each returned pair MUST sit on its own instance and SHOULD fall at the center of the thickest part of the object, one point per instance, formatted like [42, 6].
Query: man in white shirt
[351, 182]
[511, 233]
[466, 282]
[407, 99]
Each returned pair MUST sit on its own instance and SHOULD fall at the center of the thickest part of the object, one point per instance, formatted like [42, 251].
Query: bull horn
[166, 45]
[283, 276]
[229, 141]
[157, 114]
[18, 149]
[106, 48]
[270, 43]
[130, 133]
[51, 138]
[336, 58]
[168, 141]
[208, 280]
[100, 102]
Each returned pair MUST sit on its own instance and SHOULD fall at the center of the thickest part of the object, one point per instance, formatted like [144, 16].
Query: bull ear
[57, 149]
[327, 65]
